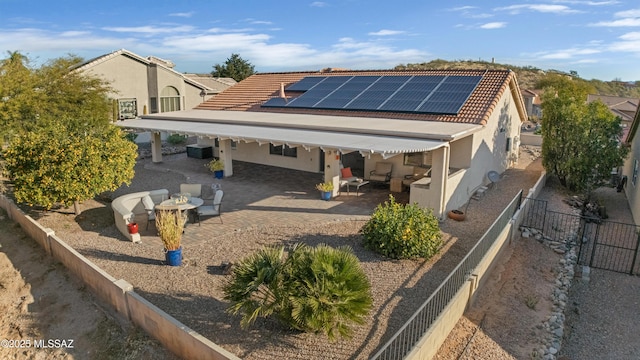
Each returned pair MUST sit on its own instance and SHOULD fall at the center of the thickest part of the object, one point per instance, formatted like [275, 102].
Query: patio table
[357, 183]
[172, 204]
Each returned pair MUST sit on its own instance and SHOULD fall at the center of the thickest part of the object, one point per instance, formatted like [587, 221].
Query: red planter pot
[133, 228]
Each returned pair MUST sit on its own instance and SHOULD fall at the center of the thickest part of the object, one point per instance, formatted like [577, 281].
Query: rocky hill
[528, 76]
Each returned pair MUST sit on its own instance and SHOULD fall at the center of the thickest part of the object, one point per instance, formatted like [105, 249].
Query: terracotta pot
[456, 215]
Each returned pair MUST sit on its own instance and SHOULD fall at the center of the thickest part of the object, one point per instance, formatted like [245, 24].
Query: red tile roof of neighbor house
[251, 93]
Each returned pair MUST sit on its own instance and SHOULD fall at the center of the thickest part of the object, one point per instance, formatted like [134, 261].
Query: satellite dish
[493, 176]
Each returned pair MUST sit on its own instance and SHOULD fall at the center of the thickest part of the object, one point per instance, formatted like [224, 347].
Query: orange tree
[57, 164]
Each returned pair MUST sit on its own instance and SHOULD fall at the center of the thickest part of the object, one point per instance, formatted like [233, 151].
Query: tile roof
[249, 94]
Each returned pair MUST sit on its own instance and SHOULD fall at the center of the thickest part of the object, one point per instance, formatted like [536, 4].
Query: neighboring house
[622, 107]
[532, 103]
[631, 168]
[148, 85]
[461, 124]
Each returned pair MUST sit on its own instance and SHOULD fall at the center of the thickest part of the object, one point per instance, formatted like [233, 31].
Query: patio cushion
[148, 203]
[346, 173]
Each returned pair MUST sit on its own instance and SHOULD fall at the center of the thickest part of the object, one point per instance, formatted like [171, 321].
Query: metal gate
[603, 244]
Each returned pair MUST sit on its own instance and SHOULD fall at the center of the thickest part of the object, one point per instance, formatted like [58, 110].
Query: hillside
[528, 76]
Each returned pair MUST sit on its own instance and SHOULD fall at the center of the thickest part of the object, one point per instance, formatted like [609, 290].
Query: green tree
[57, 164]
[32, 97]
[580, 140]
[235, 67]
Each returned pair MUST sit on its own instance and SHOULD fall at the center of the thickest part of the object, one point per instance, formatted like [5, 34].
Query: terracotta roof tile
[251, 93]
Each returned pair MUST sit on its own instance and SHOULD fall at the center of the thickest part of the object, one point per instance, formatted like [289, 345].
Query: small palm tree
[319, 290]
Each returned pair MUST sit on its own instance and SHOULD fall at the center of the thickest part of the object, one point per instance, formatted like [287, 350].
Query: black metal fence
[603, 244]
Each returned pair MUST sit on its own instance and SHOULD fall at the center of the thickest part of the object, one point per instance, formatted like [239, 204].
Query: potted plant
[325, 190]
[217, 167]
[170, 225]
[132, 225]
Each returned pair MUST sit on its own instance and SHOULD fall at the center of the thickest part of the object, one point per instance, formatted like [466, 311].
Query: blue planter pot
[219, 174]
[325, 195]
[174, 257]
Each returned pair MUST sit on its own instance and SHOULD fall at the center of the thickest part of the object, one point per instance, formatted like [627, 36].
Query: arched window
[169, 99]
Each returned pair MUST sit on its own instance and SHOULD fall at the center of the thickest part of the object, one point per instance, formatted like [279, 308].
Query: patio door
[355, 161]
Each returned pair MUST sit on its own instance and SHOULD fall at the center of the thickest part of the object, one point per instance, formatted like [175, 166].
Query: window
[634, 176]
[418, 159]
[283, 150]
[169, 99]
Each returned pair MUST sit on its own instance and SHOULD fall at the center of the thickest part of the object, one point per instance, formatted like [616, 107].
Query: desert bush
[402, 231]
[318, 290]
[176, 139]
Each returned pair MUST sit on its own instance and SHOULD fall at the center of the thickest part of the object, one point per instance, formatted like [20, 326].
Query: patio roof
[346, 134]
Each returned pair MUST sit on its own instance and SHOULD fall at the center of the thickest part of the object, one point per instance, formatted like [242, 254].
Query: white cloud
[36, 40]
[630, 42]
[565, 54]
[543, 8]
[183, 14]
[318, 4]
[463, 8]
[150, 29]
[385, 32]
[493, 25]
[635, 13]
[618, 23]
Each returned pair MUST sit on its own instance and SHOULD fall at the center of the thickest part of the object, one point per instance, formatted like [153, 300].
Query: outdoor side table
[357, 184]
[396, 185]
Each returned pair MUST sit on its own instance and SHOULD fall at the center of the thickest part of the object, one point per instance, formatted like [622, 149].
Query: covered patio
[256, 196]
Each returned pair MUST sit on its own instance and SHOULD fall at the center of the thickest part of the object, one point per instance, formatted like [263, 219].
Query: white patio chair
[211, 210]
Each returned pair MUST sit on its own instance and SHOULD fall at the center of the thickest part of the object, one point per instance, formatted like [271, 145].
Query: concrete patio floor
[255, 196]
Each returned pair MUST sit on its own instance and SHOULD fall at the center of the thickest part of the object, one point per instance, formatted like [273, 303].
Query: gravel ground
[192, 293]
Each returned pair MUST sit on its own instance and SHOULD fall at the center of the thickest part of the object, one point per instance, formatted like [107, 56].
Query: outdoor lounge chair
[382, 172]
[211, 210]
[418, 173]
[194, 189]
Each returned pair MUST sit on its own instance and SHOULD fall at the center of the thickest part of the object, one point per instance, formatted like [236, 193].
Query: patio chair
[418, 173]
[194, 189]
[382, 173]
[211, 210]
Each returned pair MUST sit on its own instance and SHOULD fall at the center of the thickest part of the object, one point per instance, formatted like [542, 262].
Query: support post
[156, 147]
[224, 152]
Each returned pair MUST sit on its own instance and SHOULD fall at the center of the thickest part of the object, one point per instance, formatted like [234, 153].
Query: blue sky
[599, 39]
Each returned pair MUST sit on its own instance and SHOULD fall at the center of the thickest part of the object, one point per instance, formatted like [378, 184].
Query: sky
[598, 39]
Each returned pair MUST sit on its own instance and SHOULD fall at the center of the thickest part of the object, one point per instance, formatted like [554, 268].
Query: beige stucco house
[459, 124]
[149, 85]
[631, 168]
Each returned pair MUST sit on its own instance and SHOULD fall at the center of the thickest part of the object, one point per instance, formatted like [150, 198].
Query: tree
[29, 97]
[235, 67]
[57, 164]
[581, 141]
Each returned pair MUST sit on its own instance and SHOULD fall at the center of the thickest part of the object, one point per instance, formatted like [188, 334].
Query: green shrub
[318, 290]
[402, 231]
[131, 136]
[176, 139]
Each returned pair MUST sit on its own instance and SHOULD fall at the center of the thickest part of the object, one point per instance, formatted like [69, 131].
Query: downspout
[443, 212]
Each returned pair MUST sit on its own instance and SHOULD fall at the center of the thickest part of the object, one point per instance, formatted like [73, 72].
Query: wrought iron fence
[603, 244]
[414, 329]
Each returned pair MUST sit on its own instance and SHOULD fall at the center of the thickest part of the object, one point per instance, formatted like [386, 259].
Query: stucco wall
[631, 190]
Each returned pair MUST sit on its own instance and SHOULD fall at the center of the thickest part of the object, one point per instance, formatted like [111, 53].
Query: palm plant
[319, 290]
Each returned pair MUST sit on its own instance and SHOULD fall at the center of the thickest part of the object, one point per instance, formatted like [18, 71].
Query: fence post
[635, 254]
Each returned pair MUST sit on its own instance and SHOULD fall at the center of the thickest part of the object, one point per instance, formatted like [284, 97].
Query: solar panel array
[429, 94]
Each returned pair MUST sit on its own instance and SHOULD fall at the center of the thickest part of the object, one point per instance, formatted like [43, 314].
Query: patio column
[439, 175]
[332, 169]
[156, 147]
[224, 152]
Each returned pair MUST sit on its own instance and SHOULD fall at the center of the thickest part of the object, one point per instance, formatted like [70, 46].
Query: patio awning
[345, 142]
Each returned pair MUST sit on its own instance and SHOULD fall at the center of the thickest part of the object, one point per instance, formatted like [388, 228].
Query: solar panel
[420, 93]
[306, 83]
